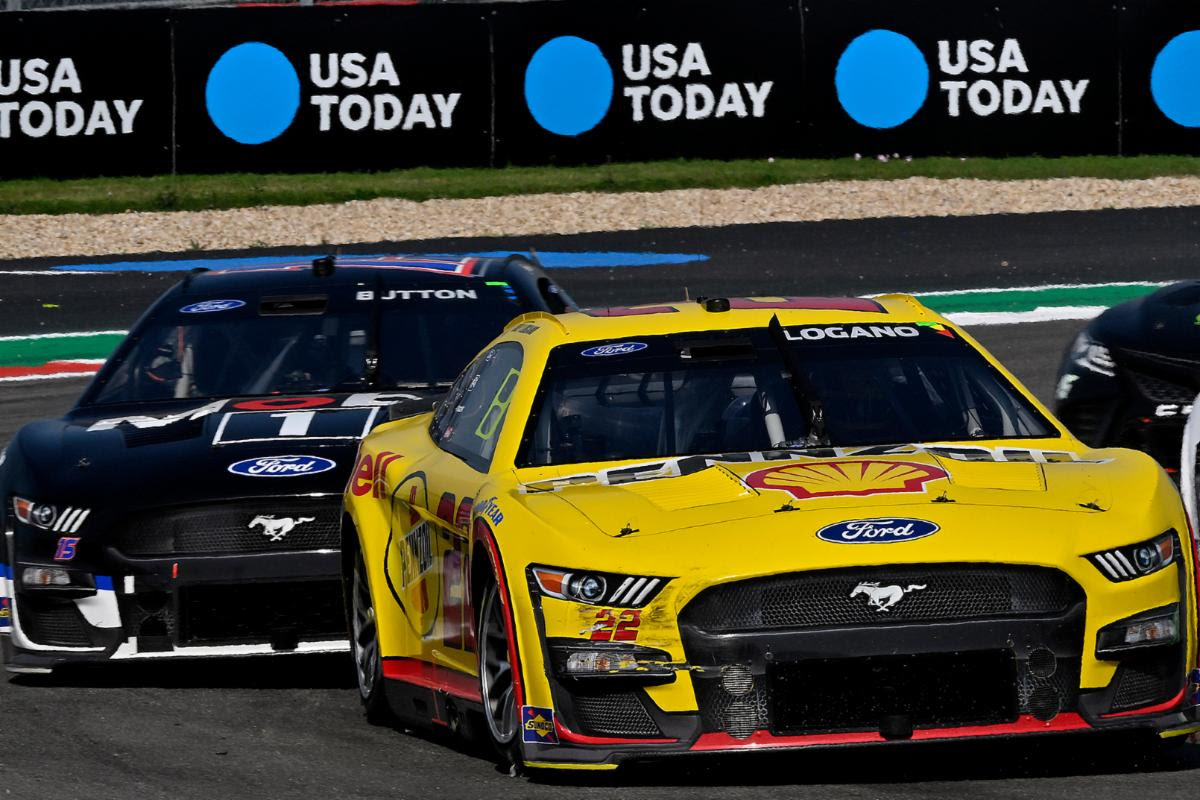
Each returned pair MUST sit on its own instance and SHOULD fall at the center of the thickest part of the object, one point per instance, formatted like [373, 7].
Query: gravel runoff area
[28, 236]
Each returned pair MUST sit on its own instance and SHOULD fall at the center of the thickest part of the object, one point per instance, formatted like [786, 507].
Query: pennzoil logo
[537, 725]
[846, 478]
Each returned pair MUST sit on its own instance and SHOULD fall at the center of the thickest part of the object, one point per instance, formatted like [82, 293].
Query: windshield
[745, 391]
[259, 350]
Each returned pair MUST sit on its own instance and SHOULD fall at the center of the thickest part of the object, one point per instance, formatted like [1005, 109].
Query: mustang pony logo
[881, 598]
[278, 527]
[846, 478]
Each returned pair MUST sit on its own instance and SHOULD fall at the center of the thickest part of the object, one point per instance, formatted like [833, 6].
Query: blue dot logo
[568, 85]
[882, 79]
[253, 93]
[1175, 80]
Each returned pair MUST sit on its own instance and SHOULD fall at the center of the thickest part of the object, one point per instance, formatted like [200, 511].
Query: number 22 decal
[616, 626]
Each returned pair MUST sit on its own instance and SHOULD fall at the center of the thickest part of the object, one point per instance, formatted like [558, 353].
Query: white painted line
[1042, 288]
[1040, 314]
[52, 272]
[73, 335]
[50, 377]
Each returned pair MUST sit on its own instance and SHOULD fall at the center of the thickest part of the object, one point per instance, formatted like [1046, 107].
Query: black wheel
[364, 646]
[496, 675]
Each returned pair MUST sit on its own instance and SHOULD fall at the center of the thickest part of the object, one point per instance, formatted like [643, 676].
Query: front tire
[364, 646]
[496, 684]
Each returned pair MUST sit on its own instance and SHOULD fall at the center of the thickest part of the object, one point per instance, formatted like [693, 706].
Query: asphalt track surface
[291, 727]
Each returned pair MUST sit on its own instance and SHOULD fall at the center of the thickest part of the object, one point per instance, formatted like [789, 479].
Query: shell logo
[846, 478]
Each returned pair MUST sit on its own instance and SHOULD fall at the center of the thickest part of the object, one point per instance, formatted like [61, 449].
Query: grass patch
[200, 192]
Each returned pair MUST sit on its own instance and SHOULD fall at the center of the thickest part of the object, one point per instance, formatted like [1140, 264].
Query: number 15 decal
[616, 626]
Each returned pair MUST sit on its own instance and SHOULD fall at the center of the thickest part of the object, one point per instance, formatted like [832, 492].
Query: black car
[1129, 379]
[189, 505]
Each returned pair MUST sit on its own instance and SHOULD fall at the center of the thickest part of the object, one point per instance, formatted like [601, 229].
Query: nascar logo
[846, 478]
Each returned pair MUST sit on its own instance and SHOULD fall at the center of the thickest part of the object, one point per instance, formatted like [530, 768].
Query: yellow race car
[760, 523]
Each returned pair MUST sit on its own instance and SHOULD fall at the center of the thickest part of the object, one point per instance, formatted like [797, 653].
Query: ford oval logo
[281, 466]
[618, 349]
[881, 530]
[208, 306]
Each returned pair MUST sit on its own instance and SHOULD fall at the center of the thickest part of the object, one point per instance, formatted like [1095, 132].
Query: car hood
[922, 483]
[191, 450]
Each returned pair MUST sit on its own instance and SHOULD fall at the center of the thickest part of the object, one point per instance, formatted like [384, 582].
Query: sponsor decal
[537, 725]
[275, 528]
[283, 403]
[618, 349]
[66, 110]
[571, 86]
[614, 625]
[417, 554]
[525, 328]
[419, 294]
[142, 421]
[281, 466]
[369, 475]
[322, 424]
[846, 478]
[1172, 409]
[881, 530]
[489, 509]
[445, 509]
[462, 519]
[937, 327]
[882, 598]
[254, 91]
[66, 548]
[883, 80]
[5, 612]
[816, 333]
[209, 306]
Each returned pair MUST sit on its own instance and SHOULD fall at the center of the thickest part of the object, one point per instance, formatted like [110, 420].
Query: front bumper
[184, 606]
[856, 684]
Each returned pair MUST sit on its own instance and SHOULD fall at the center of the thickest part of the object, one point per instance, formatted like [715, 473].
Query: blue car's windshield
[224, 354]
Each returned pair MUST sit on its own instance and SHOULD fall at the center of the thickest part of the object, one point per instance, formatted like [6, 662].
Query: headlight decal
[598, 588]
[49, 517]
[1133, 561]
[1089, 354]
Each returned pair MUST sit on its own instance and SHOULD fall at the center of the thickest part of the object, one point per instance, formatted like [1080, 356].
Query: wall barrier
[383, 87]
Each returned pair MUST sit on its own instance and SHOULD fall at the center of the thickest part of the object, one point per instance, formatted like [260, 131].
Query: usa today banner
[85, 94]
[572, 81]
